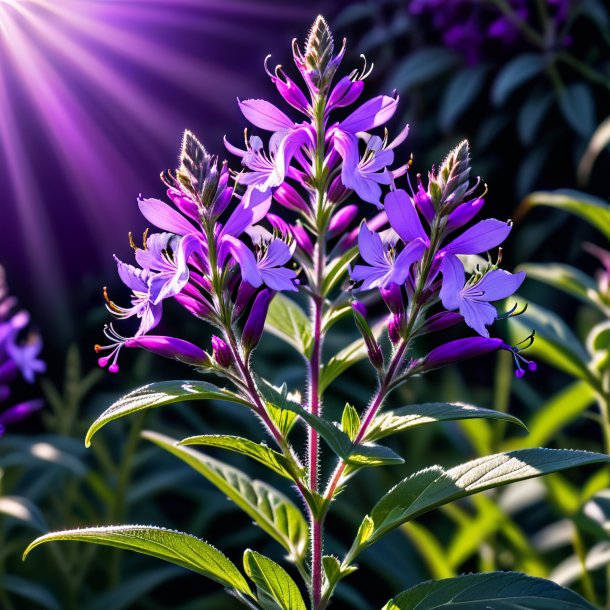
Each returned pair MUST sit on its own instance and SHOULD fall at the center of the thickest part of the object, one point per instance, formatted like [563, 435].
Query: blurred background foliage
[528, 83]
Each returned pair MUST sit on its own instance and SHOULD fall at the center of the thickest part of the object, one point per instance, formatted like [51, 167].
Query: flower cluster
[216, 257]
[469, 26]
[19, 356]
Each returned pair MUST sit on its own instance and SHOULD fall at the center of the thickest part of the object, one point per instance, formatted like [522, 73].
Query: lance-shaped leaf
[497, 590]
[176, 547]
[277, 400]
[592, 209]
[159, 395]
[336, 269]
[435, 486]
[259, 452]
[412, 416]
[287, 320]
[272, 581]
[269, 508]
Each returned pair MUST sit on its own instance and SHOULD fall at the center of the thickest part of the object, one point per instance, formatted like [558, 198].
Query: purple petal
[495, 285]
[404, 217]
[453, 281]
[342, 220]
[478, 315]
[371, 114]
[291, 92]
[345, 93]
[371, 277]
[265, 115]
[464, 213]
[20, 411]
[132, 277]
[238, 152]
[371, 247]
[279, 278]
[411, 254]
[164, 217]
[245, 259]
[400, 138]
[278, 253]
[483, 236]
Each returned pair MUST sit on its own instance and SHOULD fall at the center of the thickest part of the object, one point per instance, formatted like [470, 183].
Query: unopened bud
[255, 324]
[222, 352]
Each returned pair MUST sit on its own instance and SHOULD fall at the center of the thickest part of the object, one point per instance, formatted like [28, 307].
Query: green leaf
[30, 591]
[269, 508]
[176, 547]
[23, 510]
[420, 67]
[460, 93]
[514, 74]
[274, 581]
[592, 209]
[578, 108]
[259, 452]
[278, 400]
[336, 269]
[159, 395]
[412, 416]
[350, 421]
[553, 415]
[435, 486]
[564, 277]
[531, 116]
[287, 320]
[554, 341]
[497, 590]
[342, 361]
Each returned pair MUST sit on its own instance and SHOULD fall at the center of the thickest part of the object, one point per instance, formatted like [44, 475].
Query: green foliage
[436, 486]
[176, 547]
[257, 451]
[500, 591]
[273, 582]
[269, 508]
[158, 395]
[287, 320]
[398, 420]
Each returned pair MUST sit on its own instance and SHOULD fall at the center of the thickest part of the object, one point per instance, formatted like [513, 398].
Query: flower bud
[184, 203]
[255, 324]
[392, 296]
[170, 347]
[340, 222]
[395, 328]
[245, 292]
[290, 91]
[302, 238]
[337, 191]
[20, 411]
[279, 224]
[441, 321]
[372, 347]
[461, 349]
[464, 213]
[345, 93]
[222, 352]
[288, 196]
[423, 201]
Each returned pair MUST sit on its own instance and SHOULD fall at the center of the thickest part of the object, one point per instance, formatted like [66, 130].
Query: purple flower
[473, 298]
[385, 266]
[266, 268]
[19, 355]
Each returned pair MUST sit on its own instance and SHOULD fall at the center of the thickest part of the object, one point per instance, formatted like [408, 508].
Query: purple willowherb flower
[19, 356]
[199, 257]
[385, 266]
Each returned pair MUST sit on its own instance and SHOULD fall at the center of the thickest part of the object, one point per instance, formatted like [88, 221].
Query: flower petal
[371, 114]
[279, 278]
[453, 281]
[371, 247]
[411, 254]
[246, 260]
[478, 315]
[164, 217]
[404, 217]
[495, 285]
[265, 115]
[483, 236]
[464, 213]
[278, 253]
